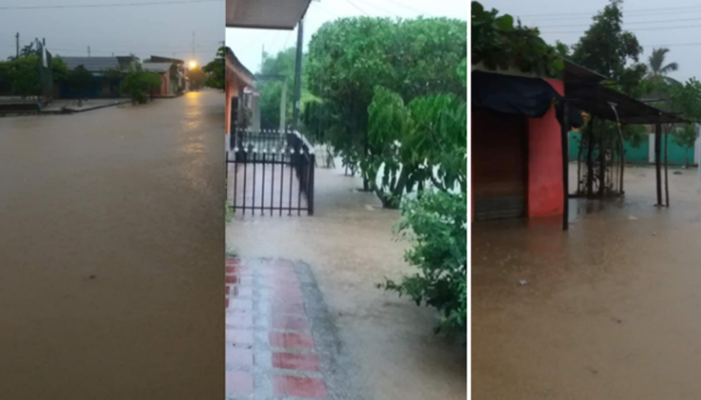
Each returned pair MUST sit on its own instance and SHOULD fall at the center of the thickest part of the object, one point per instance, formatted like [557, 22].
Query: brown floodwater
[111, 252]
[350, 247]
[608, 310]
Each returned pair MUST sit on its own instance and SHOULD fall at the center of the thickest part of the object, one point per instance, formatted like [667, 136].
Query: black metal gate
[270, 172]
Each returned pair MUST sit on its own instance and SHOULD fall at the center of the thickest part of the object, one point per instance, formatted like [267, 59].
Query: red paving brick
[239, 336]
[288, 323]
[237, 382]
[239, 357]
[290, 340]
[296, 361]
[311, 388]
[275, 294]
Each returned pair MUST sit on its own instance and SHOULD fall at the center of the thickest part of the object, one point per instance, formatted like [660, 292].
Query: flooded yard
[608, 310]
[349, 246]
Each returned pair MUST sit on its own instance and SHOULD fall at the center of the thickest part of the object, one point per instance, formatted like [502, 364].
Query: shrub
[139, 82]
[437, 224]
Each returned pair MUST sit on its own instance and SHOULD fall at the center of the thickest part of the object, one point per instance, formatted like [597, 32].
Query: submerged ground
[608, 310]
[350, 247]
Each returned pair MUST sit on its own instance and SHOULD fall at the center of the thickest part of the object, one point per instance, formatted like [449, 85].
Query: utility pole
[298, 75]
[262, 59]
[193, 45]
[17, 42]
[88, 51]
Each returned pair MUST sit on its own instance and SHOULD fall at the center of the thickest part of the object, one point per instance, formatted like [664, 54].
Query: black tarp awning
[509, 94]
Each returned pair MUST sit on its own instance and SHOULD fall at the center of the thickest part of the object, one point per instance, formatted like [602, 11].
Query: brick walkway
[271, 351]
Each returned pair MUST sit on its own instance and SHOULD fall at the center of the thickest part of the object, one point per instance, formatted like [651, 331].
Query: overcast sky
[163, 29]
[248, 44]
[653, 22]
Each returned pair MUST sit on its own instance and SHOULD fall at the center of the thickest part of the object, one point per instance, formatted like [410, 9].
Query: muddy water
[350, 247]
[610, 309]
[111, 247]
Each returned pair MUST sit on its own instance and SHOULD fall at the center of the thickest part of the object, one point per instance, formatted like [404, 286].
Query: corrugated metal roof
[157, 67]
[92, 64]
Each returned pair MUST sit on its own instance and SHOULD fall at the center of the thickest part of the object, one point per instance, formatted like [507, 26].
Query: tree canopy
[350, 57]
[216, 70]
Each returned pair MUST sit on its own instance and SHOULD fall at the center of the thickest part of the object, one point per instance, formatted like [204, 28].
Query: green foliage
[138, 83]
[562, 49]
[80, 79]
[23, 73]
[59, 70]
[656, 63]
[114, 77]
[609, 50]
[685, 138]
[349, 57]
[437, 222]
[424, 141]
[281, 69]
[498, 44]
[216, 71]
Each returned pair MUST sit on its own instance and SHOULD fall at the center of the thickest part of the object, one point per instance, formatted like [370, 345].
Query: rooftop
[92, 64]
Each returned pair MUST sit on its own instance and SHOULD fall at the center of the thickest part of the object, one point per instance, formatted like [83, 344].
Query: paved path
[280, 340]
[111, 245]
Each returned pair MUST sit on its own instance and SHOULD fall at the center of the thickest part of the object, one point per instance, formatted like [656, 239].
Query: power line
[358, 8]
[657, 28]
[397, 3]
[634, 11]
[624, 23]
[106, 5]
[384, 10]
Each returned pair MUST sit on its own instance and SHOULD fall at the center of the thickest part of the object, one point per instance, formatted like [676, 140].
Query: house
[238, 78]
[519, 127]
[105, 84]
[254, 14]
[172, 76]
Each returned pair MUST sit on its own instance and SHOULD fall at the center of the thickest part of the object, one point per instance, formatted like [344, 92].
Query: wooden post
[666, 157]
[658, 172]
[602, 161]
[565, 166]
[623, 159]
[590, 161]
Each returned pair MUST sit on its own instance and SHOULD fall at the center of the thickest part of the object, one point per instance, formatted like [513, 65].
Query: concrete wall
[545, 162]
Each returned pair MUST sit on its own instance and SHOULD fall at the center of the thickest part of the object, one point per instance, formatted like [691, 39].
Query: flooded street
[111, 247]
[349, 246]
[608, 310]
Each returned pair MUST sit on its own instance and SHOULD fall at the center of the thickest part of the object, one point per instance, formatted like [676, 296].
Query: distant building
[105, 86]
[172, 74]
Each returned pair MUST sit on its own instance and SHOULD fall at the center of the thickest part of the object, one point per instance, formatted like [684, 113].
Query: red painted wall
[545, 162]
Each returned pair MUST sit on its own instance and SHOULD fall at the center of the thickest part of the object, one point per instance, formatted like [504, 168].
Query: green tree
[216, 70]
[349, 57]
[656, 63]
[80, 80]
[24, 76]
[59, 70]
[138, 83]
[609, 50]
[280, 70]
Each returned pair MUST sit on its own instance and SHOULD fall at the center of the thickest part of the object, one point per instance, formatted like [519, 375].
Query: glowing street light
[193, 64]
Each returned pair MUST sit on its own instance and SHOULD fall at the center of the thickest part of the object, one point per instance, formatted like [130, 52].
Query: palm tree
[657, 66]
